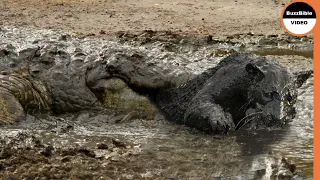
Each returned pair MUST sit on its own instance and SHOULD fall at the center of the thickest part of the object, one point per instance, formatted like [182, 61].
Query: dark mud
[260, 44]
[27, 157]
[116, 145]
[138, 149]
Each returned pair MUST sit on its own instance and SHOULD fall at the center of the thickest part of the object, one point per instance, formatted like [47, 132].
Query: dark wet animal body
[241, 88]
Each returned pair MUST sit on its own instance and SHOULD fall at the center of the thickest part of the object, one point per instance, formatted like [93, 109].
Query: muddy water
[162, 149]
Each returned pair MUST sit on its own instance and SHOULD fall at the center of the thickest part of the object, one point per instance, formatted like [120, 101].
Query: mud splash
[108, 145]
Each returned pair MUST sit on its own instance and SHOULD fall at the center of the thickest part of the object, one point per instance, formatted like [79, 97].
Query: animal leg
[209, 117]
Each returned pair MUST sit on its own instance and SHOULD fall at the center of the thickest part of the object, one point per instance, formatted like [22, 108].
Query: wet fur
[219, 98]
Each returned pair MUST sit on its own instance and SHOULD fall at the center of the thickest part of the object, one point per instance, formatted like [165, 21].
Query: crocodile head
[135, 68]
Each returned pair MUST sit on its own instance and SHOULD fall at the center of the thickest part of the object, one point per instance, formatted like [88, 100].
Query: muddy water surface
[139, 148]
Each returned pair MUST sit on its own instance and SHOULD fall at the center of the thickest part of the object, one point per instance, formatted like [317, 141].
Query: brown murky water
[142, 149]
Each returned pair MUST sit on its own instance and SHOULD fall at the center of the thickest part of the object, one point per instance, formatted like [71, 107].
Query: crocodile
[50, 80]
[43, 80]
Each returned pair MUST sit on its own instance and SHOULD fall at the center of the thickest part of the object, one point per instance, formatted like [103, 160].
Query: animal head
[271, 93]
[134, 67]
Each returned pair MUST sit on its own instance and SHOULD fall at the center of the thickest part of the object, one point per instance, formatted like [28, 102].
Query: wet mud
[116, 145]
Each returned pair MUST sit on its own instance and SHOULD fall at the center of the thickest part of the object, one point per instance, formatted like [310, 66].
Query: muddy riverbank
[104, 17]
[110, 145]
[185, 37]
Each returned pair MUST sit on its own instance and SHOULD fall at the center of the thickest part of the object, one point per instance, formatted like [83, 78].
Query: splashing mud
[109, 145]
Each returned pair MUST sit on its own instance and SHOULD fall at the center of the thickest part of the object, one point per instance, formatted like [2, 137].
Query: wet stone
[6, 152]
[267, 41]
[87, 152]
[284, 170]
[64, 37]
[48, 151]
[102, 146]
[2, 167]
[65, 159]
[37, 143]
[118, 143]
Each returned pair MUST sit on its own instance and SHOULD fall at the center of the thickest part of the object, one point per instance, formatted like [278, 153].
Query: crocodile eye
[35, 72]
